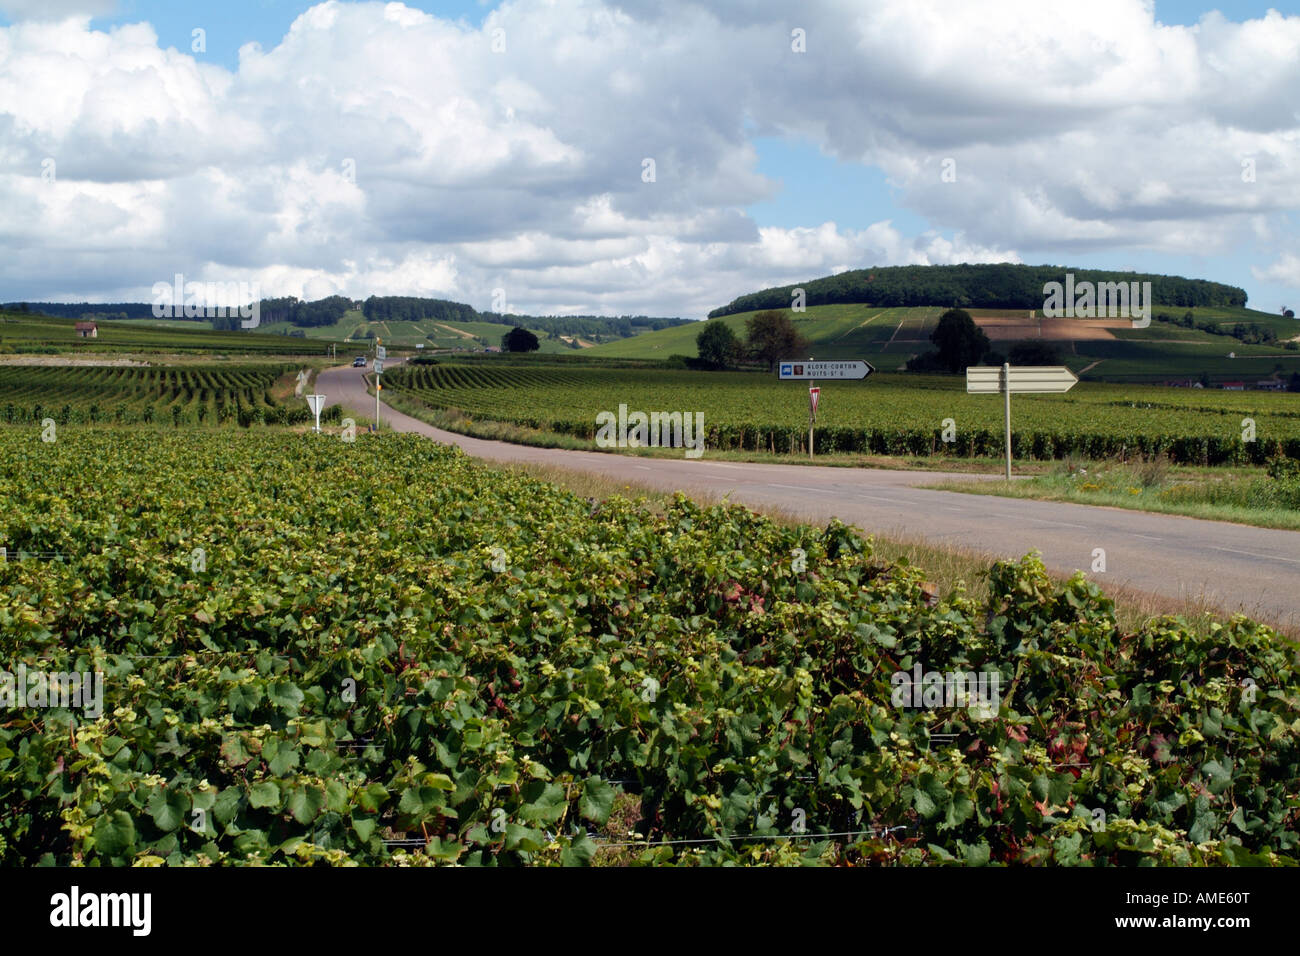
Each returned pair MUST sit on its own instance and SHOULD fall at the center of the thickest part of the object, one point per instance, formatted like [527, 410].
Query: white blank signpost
[990, 380]
[316, 403]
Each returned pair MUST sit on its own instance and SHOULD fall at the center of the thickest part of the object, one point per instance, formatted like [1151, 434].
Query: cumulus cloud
[1286, 270]
[377, 148]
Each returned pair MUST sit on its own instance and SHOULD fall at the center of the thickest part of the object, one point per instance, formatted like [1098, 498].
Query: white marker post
[795, 370]
[316, 403]
[379, 370]
[990, 380]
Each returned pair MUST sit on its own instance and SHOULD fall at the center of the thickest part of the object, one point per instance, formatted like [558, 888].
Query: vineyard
[183, 395]
[43, 334]
[886, 414]
[379, 651]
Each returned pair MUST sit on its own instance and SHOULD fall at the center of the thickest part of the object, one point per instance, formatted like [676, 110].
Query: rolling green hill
[836, 331]
[887, 338]
[38, 333]
[431, 333]
[400, 321]
[25, 332]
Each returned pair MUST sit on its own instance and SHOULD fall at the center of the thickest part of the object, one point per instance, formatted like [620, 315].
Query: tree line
[409, 308]
[78, 310]
[585, 326]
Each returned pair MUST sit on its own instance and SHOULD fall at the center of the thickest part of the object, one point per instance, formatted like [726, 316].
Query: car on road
[359, 362]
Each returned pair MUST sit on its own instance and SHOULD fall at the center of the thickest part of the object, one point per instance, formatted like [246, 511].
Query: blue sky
[232, 23]
[817, 175]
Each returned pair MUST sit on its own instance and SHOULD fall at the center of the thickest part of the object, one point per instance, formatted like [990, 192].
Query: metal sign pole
[1006, 391]
[812, 417]
[316, 403]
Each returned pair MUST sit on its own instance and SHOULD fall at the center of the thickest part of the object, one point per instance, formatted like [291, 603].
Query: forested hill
[1000, 286]
[390, 308]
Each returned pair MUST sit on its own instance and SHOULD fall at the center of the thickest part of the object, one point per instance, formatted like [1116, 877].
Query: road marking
[1061, 524]
[1149, 537]
[892, 501]
[1256, 554]
[645, 468]
[796, 487]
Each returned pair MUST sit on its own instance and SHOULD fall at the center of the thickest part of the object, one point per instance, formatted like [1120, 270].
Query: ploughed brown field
[1017, 326]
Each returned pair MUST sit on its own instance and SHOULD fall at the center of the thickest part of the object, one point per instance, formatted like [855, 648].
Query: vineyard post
[1006, 392]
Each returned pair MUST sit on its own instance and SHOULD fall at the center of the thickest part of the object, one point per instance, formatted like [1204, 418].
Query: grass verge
[1241, 495]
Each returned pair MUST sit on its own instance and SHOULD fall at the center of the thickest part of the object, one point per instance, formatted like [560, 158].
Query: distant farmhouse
[87, 330]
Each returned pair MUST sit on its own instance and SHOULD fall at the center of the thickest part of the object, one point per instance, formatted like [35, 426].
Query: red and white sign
[814, 395]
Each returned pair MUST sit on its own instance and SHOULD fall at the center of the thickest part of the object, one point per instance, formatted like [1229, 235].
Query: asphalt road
[1227, 566]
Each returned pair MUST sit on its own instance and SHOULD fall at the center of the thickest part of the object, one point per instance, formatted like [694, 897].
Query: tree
[519, 340]
[960, 341]
[771, 336]
[1288, 314]
[717, 344]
